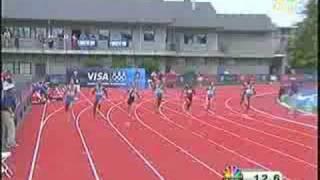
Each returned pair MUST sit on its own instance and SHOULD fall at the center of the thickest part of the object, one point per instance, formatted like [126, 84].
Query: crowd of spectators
[7, 38]
[8, 106]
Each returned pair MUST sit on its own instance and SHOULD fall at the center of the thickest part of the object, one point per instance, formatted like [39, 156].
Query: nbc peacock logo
[232, 173]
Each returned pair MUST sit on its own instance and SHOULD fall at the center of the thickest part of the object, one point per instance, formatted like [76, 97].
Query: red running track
[170, 144]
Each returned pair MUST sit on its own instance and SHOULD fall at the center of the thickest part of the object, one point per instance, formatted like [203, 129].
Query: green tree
[92, 62]
[150, 64]
[303, 47]
[119, 62]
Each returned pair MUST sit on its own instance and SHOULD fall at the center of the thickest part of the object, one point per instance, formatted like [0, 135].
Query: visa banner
[123, 77]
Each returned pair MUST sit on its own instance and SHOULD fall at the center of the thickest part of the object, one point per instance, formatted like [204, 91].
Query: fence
[23, 97]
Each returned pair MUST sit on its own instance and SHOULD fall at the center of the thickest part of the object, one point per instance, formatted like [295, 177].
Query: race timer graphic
[235, 173]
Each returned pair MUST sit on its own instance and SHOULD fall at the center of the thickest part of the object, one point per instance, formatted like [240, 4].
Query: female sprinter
[210, 95]
[188, 94]
[132, 97]
[250, 90]
[159, 90]
[243, 91]
[70, 94]
[99, 91]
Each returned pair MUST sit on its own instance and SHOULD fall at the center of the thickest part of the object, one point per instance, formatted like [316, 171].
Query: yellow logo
[287, 6]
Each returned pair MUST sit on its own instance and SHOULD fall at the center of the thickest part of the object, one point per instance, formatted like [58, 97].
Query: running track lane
[261, 158]
[61, 155]
[233, 103]
[170, 162]
[276, 142]
[26, 137]
[203, 154]
[111, 155]
[263, 123]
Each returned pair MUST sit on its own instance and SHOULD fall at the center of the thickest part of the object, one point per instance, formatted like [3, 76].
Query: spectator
[74, 41]
[50, 41]
[6, 38]
[8, 105]
[16, 42]
[200, 79]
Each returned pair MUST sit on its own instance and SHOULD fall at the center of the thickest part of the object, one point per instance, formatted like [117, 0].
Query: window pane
[21, 32]
[202, 39]
[148, 33]
[188, 39]
[8, 67]
[27, 32]
[16, 68]
[103, 34]
[125, 36]
[33, 33]
[148, 36]
[41, 32]
[25, 68]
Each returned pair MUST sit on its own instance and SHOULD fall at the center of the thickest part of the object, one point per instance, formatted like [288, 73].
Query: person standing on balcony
[16, 41]
[50, 41]
[74, 41]
[6, 38]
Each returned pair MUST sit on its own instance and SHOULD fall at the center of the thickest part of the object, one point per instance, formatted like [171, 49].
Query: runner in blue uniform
[210, 95]
[159, 90]
[100, 92]
[69, 95]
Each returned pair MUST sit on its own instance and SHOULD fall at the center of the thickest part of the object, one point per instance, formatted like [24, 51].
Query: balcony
[59, 46]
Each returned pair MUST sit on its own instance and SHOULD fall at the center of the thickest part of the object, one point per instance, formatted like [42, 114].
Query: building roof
[177, 14]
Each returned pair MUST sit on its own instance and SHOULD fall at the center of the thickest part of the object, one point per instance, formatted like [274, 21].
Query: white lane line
[245, 139]
[263, 122]
[174, 144]
[37, 146]
[108, 119]
[83, 141]
[215, 143]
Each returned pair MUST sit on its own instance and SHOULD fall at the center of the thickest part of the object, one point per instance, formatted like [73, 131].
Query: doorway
[40, 70]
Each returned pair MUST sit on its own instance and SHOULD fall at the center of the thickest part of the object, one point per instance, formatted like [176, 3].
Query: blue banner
[123, 77]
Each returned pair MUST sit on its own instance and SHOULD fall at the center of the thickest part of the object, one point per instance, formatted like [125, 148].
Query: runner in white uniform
[210, 95]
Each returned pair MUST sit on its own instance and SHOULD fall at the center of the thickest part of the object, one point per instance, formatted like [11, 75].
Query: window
[126, 36]
[25, 68]
[148, 34]
[188, 39]
[201, 39]
[103, 34]
[8, 67]
[27, 32]
[41, 32]
[23, 32]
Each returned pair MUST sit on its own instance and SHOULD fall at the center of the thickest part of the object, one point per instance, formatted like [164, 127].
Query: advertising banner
[123, 77]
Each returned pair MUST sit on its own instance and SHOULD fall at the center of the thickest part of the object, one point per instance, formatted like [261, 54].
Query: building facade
[46, 37]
